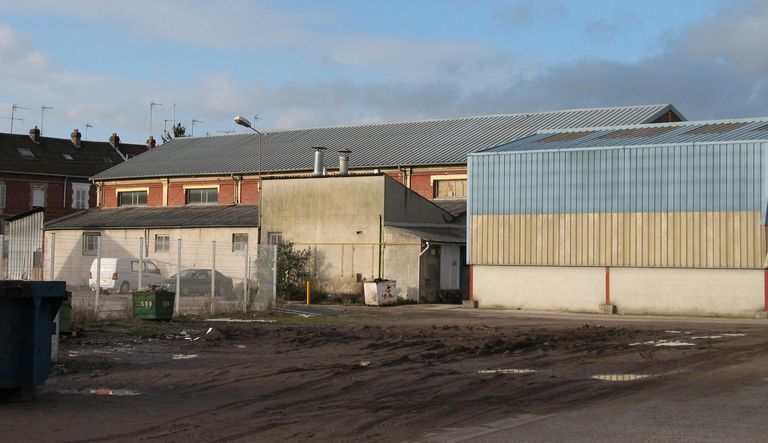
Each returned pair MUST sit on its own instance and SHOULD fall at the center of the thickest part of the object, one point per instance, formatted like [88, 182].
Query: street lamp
[242, 121]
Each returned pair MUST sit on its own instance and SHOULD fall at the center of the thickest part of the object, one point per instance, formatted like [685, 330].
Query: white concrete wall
[539, 288]
[72, 266]
[659, 291]
[450, 266]
[687, 291]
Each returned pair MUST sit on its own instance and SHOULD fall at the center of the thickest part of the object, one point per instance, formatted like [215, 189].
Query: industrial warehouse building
[661, 219]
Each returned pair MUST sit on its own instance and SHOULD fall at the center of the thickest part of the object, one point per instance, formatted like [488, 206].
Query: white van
[122, 274]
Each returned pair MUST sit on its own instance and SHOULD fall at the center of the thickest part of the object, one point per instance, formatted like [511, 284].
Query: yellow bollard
[307, 291]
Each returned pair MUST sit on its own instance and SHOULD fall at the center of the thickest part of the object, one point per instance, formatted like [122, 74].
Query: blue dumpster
[27, 310]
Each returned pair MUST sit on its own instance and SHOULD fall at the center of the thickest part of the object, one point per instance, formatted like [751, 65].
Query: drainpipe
[64, 198]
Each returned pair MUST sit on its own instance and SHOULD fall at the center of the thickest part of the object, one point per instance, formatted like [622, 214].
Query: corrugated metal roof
[163, 217]
[447, 234]
[415, 143]
[709, 131]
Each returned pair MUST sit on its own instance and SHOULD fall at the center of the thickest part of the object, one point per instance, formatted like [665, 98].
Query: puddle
[183, 356]
[364, 364]
[621, 377]
[670, 343]
[115, 392]
[240, 320]
[673, 343]
[506, 371]
[678, 332]
[704, 337]
[734, 335]
[240, 346]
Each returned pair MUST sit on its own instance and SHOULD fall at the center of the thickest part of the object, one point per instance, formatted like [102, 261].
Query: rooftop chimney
[34, 134]
[75, 137]
[114, 140]
[319, 160]
[344, 161]
[151, 143]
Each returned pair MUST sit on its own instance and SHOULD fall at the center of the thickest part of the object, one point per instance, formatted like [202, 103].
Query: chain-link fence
[208, 277]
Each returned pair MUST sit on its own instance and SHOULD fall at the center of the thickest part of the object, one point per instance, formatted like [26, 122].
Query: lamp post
[242, 121]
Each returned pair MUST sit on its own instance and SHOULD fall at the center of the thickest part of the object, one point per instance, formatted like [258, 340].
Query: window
[2, 195]
[90, 242]
[132, 198]
[80, 195]
[202, 196]
[26, 153]
[451, 188]
[107, 160]
[162, 243]
[274, 238]
[239, 242]
[38, 196]
[68, 157]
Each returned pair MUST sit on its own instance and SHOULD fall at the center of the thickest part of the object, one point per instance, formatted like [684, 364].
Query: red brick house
[53, 173]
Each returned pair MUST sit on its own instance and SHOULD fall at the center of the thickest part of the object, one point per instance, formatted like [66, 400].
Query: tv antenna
[42, 112]
[152, 105]
[87, 125]
[192, 130]
[13, 114]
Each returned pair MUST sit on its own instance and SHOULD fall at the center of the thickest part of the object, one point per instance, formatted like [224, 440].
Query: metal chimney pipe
[319, 160]
[344, 161]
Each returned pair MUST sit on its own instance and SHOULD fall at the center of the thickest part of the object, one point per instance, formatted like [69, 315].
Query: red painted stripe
[608, 285]
[765, 289]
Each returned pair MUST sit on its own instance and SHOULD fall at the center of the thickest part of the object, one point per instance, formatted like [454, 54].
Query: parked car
[122, 274]
[198, 282]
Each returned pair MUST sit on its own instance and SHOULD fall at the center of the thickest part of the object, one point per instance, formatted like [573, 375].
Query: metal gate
[262, 291]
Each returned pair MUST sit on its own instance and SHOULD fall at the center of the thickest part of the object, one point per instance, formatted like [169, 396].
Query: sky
[307, 63]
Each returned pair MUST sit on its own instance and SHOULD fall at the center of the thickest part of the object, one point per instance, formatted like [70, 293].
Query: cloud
[607, 29]
[721, 75]
[525, 13]
[737, 36]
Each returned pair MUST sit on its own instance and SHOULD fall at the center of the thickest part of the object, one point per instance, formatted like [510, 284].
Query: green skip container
[153, 304]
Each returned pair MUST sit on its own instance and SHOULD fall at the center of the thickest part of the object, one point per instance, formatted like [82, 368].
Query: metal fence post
[245, 280]
[141, 263]
[274, 273]
[98, 274]
[53, 256]
[213, 275]
[177, 300]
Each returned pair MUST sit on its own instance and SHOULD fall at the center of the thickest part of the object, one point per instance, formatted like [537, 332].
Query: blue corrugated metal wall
[727, 177]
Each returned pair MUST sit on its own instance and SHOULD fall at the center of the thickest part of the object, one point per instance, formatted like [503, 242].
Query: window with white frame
[162, 243]
[90, 242]
[80, 195]
[38, 196]
[239, 242]
[132, 198]
[456, 188]
[274, 238]
[202, 196]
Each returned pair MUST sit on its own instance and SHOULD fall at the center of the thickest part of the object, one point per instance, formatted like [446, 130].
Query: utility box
[27, 310]
[153, 304]
[380, 292]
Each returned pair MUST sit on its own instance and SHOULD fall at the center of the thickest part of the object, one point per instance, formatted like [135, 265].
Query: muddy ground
[405, 373]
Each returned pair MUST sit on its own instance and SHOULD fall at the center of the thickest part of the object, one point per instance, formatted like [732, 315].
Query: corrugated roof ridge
[643, 125]
[660, 106]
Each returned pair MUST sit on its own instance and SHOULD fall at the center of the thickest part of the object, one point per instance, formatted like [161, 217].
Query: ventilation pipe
[344, 161]
[319, 160]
